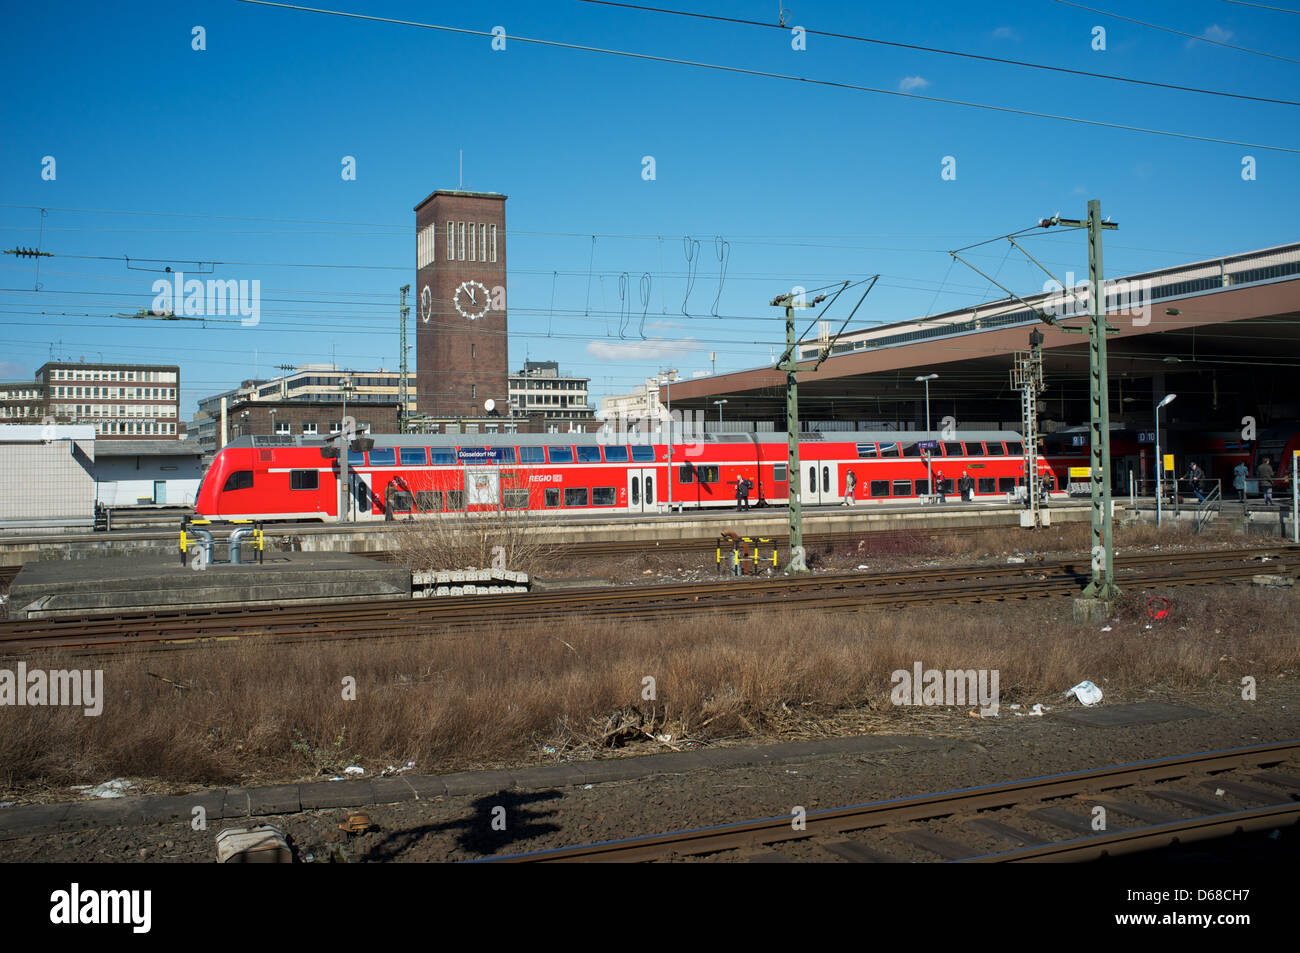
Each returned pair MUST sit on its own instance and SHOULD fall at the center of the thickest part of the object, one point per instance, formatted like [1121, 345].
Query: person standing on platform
[1265, 473]
[964, 486]
[939, 486]
[850, 484]
[1239, 474]
[740, 492]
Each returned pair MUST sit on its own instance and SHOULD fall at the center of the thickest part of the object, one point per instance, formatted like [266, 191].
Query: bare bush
[479, 539]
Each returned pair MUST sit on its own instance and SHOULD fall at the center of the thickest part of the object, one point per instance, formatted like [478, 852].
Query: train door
[641, 491]
[820, 480]
[482, 486]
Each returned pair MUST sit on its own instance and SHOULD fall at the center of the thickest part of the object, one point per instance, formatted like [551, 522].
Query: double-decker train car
[296, 478]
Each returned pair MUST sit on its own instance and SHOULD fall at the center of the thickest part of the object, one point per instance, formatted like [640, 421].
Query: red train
[293, 478]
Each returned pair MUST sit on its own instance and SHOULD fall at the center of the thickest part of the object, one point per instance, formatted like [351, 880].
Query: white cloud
[912, 82]
[1006, 33]
[9, 371]
[1216, 32]
[654, 349]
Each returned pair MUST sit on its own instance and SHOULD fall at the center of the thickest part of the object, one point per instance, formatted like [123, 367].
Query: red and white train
[295, 478]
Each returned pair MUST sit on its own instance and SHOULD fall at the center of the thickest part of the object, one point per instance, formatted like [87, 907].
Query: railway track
[824, 592]
[1144, 805]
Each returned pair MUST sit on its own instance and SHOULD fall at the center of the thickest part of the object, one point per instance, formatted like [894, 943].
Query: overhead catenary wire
[1190, 36]
[768, 74]
[1092, 74]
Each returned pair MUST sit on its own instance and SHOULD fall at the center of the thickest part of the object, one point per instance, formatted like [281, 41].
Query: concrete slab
[326, 794]
[478, 782]
[1124, 716]
[278, 799]
[551, 775]
[394, 790]
[54, 588]
[25, 819]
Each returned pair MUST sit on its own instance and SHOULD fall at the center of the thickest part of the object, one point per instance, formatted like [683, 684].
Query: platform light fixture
[1160, 469]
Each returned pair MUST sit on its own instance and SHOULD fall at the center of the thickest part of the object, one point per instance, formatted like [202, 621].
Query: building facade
[461, 329]
[540, 390]
[121, 401]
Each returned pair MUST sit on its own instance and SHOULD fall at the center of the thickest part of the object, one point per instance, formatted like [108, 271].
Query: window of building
[309, 429]
[282, 428]
[460, 241]
[304, 480]
[492, 229]
[473, 243]
[451, 241]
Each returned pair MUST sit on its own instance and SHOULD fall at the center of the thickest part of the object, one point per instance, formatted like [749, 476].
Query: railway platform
[145, 583]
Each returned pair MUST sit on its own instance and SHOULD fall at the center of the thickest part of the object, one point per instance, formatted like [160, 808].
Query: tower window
[473, 243]
[482, 242]
[451, 241]
[493, 229]
[460, 241]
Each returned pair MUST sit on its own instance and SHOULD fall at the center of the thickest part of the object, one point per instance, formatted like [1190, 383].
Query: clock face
[426, 304]
[471, 300]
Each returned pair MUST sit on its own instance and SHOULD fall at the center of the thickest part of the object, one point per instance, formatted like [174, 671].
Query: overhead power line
[782, 76]
[942, 52]
[1262, 6]
[1190, 36]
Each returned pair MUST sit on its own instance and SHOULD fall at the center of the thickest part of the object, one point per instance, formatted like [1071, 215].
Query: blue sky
[233, 154]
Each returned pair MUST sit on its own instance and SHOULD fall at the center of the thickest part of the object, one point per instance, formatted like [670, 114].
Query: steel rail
[765, 832]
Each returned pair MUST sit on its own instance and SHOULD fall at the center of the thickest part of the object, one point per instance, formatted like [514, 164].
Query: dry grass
[482, 539]
[253, 713]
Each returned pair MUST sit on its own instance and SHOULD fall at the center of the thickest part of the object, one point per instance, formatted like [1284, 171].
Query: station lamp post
[1160, 464]
[720, 403]
[273, 421]
[929, 457]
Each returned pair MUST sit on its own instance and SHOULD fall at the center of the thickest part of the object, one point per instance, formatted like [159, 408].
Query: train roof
[591, 439]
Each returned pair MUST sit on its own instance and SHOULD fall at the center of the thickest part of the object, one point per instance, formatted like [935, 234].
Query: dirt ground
[970, 752]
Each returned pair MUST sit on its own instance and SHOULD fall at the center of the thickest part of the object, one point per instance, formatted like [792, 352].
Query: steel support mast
[790, 364]
[402, 393]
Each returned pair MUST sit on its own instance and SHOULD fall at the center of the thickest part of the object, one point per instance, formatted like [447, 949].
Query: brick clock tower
[460, 295]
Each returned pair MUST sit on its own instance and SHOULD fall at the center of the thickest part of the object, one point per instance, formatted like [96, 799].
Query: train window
[532, 454]
[414, 456]
[922, 487]
[889, 449]
[575, 496]
[948, 487]
[399, 501]
[304, 480]
[974, 449]
[867, 450]
[911, 450]
[952, 449]
[708, 474]
[603, 496]
[985, 485]
[588, 454]
[455, 500]
[826, 479]
[515, 499]
[643, 454]
[552, 496]
[442, 456]
[506, 454]
[812, 480]
[239, 480]
[1006, 484]
[383, 458]
[649, 490]
[1015, 448]
[428, 501]
[902, 488]
[560, 454]
[686, 473]
[634, 491]
[356, 459]
[880, 488]
[616, 454]
[779, 473]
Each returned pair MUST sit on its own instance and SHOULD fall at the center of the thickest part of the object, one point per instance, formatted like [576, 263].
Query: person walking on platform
[850, 484]
[1239, 474]
[1195, 478]
[1265, 473]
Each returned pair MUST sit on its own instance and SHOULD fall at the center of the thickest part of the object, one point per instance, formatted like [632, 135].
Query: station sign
[930, 445]
[478, 454]
[1169, 463]
[1083, 473]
